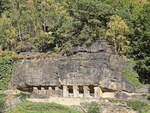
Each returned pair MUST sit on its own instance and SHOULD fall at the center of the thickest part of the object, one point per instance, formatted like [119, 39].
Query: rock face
[93, 65]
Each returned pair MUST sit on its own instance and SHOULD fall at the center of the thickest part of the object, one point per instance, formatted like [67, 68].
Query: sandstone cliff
[88, 65]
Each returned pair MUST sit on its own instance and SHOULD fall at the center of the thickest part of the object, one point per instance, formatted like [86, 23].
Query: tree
[140, 45]
[116, 34]
[8, 36]
[43, 41]
[86, 22]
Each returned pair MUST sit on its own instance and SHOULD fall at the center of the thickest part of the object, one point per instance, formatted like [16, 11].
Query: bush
[2, 103]
[94, 108]
[141, 106]
[131, 74]
[7, 66]
[23, 95]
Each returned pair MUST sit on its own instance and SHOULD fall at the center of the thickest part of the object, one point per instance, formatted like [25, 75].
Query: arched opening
[53, 88]
[81, 91]
[46, 87]
[70, 91]
[91, 89]
[39, 88]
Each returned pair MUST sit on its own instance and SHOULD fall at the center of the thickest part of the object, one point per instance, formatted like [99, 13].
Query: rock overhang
[88, 66]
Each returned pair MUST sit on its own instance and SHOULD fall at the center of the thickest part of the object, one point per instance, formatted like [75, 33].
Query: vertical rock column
[49, 92]
[57, 91]
[86, 91]
[75, 91]
[35, 90]
[43, 91]
[97, 92]
[65, 91]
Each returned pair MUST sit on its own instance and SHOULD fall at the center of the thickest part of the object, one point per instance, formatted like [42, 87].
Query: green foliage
[2, 103]
[131, 74]
[23, 95]
[147, 96]
[94, 108]
[44, 41]
[141, 43]
[117, 29]
[142, 107]
[86, 23]
[7, 65]
[27, 20]
[32, 107]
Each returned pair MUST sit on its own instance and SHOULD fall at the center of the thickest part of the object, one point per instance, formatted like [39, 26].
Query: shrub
[23, 95]
[2, 103]
[94, 108]
[141, 106]
[131, 74]
[7, 64]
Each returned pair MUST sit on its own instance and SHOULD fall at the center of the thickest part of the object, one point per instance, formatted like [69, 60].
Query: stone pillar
[86, 91]
[56, 88]
[101, 93]
[65, 91]
[43, 91]
[57, 91]
[35, 90]
[49, 92]
[97, 92]
[75, 91]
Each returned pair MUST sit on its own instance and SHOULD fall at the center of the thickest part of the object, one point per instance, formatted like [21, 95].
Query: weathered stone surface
[93, 65]
[122, 95]
[142, 90]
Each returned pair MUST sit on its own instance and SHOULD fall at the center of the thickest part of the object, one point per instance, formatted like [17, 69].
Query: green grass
[2, 96]
[34, 107]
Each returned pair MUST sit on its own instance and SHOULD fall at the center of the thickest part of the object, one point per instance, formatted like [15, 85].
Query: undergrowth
[7, 66]
[131, 74]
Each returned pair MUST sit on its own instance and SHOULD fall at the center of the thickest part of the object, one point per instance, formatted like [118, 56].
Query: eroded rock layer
[88, 65]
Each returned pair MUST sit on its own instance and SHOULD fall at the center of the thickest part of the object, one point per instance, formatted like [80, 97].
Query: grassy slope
[33, 107]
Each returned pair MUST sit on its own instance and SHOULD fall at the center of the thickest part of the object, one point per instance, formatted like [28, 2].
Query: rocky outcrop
[88, 65]
[105, 106]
